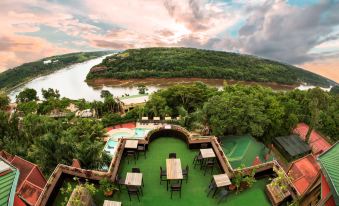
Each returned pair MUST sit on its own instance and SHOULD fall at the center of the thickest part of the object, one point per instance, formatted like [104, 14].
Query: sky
[304, 33]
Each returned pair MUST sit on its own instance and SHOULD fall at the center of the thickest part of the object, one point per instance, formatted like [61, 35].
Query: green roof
[330, 167]
[8, 184]
[133, 96]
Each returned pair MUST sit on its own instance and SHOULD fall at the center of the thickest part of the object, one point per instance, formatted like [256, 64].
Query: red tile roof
[18, 201]
[325, 190]
[317, 142]
[31, 180]
[6, 155]
[304, 172]
[30, 192]
[76, 163]
[129, 125]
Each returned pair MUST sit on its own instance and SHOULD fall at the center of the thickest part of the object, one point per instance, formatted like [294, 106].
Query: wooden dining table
[173, 170]
[131, 144]
[221, 180]
[133, 179]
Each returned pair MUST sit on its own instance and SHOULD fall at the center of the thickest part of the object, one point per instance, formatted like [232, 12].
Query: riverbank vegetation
[197, 63]
[33, 133]
[12, 77]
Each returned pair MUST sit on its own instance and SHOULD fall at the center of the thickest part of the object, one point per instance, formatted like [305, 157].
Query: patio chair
[142, 148]
[131, 190]
[209, 164]
[198, 160]
[185, 173]
[136, 170]
[222, 195]
[204, 145]
[172, 155]
[131, 154]
[119, 181]
[212, 186]
[176, 187]
[162, 174]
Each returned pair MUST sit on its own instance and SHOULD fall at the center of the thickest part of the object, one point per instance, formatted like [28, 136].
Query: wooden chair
[211, 187]
[198, 160]
[176, 188]
[142, 148]
[131, 190]
[136, 170]
[204, 146]
[185, 173]
[172, 155]
[222, 195]
[209, 164]
[131, 154]
[119, 181]
[163, 174]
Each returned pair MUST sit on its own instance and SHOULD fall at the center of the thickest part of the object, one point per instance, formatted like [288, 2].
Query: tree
[142, 89]
[317, 101]
[105, 93]
[50, 93]
[27, 95]
[4, 100]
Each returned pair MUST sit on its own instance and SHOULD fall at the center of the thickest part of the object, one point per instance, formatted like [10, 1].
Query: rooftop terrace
[193, 193]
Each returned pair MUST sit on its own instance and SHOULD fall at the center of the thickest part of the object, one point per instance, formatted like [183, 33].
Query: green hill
[189, 62]
[12, 77]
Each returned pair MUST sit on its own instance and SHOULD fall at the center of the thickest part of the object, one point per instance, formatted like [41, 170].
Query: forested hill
[27, 71]
[190, 62]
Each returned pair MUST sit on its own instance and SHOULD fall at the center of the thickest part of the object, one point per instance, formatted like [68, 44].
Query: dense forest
[189, 62]
[239, 109]
[12, 77]
[32, 133]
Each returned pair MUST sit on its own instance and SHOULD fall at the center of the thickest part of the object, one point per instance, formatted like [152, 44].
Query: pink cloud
[326, 67]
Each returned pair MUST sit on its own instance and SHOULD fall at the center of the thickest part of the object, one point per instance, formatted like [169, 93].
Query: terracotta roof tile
[304, 172]
[317, 142]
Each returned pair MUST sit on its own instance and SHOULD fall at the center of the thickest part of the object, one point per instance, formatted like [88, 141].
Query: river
[70, 82]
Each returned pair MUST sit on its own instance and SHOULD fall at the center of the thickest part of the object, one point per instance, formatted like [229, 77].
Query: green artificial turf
[193, 193]
[243, 150]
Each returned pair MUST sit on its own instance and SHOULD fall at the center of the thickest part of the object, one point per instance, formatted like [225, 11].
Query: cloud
[279, 31]
[303, 35]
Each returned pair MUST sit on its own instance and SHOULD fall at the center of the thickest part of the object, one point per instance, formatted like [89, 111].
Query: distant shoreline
[170, 81]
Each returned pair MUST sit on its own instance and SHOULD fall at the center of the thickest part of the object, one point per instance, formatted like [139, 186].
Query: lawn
[193, 193]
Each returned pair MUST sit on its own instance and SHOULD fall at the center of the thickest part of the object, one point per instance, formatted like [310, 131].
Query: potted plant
[107, 187]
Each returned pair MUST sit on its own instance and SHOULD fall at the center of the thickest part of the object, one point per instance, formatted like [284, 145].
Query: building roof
[317, 142]
[135, 99]
[330, 166]
[8, 181]
[292, 145]
[304, 172]
[31, 181]
[325, 192]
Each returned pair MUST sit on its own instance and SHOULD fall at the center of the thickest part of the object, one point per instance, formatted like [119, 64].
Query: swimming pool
[140, 132]
[110, 147]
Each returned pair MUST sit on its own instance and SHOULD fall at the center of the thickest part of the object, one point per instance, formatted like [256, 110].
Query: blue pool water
[140, 132]
[111, 144]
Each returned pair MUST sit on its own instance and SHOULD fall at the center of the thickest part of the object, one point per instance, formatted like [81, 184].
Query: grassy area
[193, 193]
[243, 150]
